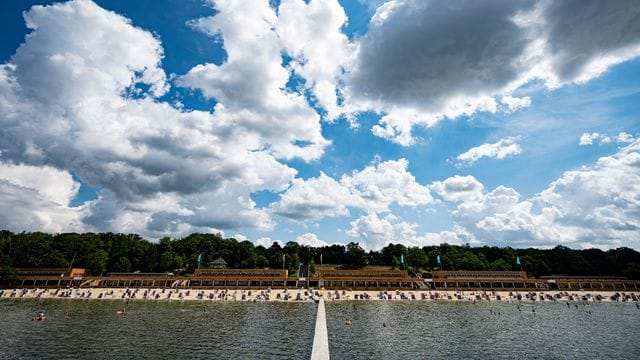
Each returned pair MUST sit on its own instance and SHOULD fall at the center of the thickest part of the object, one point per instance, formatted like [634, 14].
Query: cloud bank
[423, 61]
[82, 102]
[82, 92]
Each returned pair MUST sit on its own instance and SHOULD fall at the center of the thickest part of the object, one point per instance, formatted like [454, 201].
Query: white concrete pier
[320, 350]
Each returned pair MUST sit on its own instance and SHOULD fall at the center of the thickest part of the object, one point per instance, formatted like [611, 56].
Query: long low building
[366, 279]
[475, 280]
[139, 279]
[240, 278]
[590, 283]
[222, 278]
[518, 280]
[48, 277]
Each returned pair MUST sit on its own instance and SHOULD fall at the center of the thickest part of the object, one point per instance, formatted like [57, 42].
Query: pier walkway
[320, 350]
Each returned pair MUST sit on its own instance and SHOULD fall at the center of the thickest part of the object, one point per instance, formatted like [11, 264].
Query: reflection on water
[244, 330]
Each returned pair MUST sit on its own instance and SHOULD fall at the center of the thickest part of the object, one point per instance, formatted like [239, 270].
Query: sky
[500, 123]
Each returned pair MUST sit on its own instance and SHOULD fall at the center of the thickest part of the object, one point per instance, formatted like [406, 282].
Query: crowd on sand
[128, 295]
[307, 295]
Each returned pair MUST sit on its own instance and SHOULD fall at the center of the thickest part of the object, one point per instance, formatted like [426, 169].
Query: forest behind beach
[101, 253]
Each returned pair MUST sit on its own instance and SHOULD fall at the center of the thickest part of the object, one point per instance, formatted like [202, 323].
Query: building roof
[478, 275]
[219, 261]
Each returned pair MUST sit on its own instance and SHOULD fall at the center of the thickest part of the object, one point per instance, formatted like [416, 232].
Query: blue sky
[324, 121]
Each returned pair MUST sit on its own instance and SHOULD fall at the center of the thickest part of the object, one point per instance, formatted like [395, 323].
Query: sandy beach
[305, 295]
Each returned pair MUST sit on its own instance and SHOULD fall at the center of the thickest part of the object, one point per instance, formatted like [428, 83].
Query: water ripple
[244, 330]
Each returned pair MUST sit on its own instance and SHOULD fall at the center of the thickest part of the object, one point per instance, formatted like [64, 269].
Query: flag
[401, 258]
[517, 260]
[199, 258]
[320, 259]
[438, 259]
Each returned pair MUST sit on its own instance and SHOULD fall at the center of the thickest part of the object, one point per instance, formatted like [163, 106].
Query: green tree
[96, 263]
[355, 257]
[293, 264]
[395, 263]
[499, 265]
[122, 264]
[416, 258]
[632, 271]
[7, 273]
[275, 260]
[56, 259]
[312, 267]
[391, 250]
[166, 261]
[261, 261]
[467, 260]
[178, 262]
[245, 255]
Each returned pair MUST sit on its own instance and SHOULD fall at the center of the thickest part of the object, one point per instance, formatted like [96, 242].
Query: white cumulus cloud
[314, 199]
[249, 85]
[458, 188]
[594, 137]
[37, 198]
[376, 232]
[514, 103]
[373, 189]
[310, 239]
[591, 206]
[310, 34]
[498, 150]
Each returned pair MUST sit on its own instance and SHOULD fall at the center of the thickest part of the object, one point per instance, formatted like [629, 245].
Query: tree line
[101, 253]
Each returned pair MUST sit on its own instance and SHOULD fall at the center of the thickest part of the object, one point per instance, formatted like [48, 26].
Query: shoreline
[306, 295]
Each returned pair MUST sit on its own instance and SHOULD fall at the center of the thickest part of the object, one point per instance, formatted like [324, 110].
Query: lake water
[244, 330]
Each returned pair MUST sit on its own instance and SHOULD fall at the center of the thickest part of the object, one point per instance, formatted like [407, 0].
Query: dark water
[156, 330]
[421, 330]
[241, 330]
